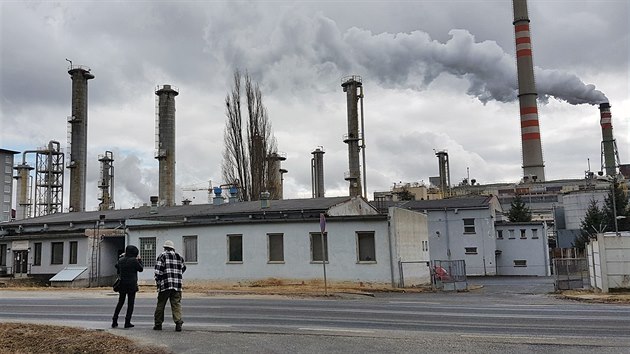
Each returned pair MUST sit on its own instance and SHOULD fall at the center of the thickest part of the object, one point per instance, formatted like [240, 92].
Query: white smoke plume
[315, 50]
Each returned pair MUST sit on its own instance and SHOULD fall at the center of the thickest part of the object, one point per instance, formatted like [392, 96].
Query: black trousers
[121, 301]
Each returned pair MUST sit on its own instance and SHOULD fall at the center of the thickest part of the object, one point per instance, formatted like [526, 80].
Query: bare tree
[247, 144]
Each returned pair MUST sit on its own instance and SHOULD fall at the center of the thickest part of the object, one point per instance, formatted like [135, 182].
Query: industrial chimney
[77, 124]
[353, 88]
[445, 173]
[106, 183]
[275, 174]
[610, 155]
[533, 166]
[165, 142]
[317, 173]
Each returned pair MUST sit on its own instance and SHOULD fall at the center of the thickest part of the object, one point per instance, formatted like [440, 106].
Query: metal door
[20, 262]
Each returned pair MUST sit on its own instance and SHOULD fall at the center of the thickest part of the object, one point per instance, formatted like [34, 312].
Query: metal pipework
[106, 183]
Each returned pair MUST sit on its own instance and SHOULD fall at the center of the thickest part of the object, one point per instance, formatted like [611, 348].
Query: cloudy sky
[437, 75]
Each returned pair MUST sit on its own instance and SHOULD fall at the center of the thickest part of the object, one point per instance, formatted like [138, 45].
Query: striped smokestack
[533, 166]
[609, 146]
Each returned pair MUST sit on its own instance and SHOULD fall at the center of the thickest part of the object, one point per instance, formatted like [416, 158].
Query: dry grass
[34, 338]
[593, 296]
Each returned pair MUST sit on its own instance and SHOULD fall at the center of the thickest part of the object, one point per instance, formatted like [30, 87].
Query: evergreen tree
[519, 211]
[593, 223]
[620, 208]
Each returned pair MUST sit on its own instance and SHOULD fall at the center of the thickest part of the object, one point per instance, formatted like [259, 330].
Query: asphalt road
[507, 315]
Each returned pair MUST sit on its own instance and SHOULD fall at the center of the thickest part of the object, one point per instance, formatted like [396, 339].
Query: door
[20, 262]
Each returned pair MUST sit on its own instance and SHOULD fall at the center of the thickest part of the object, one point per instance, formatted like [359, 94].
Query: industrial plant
[412, 224]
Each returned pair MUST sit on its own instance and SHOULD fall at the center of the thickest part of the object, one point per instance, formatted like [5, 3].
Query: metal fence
[570, 273]
[449, 275]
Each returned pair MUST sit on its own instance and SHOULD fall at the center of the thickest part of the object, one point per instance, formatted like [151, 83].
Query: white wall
[446, 235]
[535, 251]
[213, 262]
[409, 229]
[614, 259]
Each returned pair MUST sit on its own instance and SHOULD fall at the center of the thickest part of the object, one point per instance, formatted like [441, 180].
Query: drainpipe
[448, 238]
[392, 256]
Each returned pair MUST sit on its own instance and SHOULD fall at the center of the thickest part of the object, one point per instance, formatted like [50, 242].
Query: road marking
[506, 336]
[414, 302]
[327, 329]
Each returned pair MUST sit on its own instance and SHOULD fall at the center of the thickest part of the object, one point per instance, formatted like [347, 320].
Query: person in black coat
[128, 266]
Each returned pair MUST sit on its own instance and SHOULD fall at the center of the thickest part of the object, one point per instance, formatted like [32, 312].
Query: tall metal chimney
[49, 179]
[165, 142]
[533, 165]
[317, 173]
[77, 123]
[351, 86]
[445, 173]
[106, 183]
[610, 154]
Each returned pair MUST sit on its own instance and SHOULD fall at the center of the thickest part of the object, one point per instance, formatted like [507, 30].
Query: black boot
[114, 322]
[128, 324]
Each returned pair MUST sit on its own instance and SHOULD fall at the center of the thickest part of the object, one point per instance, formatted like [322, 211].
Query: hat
[169, 244]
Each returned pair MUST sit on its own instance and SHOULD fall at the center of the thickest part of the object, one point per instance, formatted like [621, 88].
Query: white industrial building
[229, 242]
[522, 248]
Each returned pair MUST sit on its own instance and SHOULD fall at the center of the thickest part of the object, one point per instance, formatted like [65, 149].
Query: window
[56, 256]
[469, 226]
[523, 233]
[499, 234]
[511, 233]
[147, 251]
[316, 247]
[275, 245]
[3, 255]
[235, 248]
[37, 257]
[471, 250]
[74, 248]
[190, 248]
[520, 263]
[534, 233]
[366, 247]
[425, 245]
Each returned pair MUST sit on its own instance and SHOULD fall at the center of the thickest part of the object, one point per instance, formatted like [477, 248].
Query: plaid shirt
[169, 268]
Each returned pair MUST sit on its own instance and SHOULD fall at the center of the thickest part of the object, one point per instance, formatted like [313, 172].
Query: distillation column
[533, 166]
[351, 87]
[275, 174]
[106, 183]
[165, 143]
[78, 145]
[317, 173]
[23, 186]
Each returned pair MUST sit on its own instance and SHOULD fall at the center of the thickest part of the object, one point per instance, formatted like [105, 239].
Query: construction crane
[196, 189]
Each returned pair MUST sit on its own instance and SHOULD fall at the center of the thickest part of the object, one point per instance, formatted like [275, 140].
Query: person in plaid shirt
[169, 268]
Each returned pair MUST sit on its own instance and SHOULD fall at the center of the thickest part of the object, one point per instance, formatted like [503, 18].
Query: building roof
[467, 202]
[471, 202]
[7, 151]
[76, 222]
